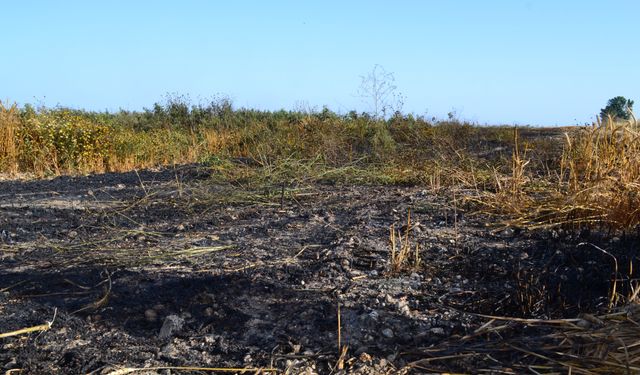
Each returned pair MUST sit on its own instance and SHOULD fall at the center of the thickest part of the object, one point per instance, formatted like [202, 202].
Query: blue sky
[517, 61]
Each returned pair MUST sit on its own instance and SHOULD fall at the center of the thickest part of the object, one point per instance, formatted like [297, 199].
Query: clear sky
[539, 62]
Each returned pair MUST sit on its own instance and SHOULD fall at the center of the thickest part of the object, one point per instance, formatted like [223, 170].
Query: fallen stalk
[38, 328]
[130, 370]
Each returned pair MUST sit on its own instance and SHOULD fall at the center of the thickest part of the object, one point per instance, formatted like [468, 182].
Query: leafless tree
[378, 88]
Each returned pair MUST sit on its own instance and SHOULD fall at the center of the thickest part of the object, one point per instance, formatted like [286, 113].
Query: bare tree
[378, 88]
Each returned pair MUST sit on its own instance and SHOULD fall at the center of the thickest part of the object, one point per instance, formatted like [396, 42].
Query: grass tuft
[404, 256]
[9, 125]
[597, 183]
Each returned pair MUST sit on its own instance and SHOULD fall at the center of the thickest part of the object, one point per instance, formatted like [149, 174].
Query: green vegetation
[287, 144]
[619, 108]
[538, 177]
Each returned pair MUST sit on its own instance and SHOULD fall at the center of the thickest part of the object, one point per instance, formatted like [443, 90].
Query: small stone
[5, 237]
[209, 339]
[582, 323]
[389, 299]
[13, 363]
[170, 350]
[364, 357]
[223, 345]
[374, 315]
[355, 273]
[172, 324]
[405, 310]
[437, 331]
[402, 302]
[368, 338]
[72, 234]
[387, 332]
[507, 232]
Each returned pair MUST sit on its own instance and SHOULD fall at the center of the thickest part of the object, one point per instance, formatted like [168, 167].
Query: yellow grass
[9, 123]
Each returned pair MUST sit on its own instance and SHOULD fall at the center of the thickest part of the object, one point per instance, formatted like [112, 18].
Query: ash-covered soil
[170, 268]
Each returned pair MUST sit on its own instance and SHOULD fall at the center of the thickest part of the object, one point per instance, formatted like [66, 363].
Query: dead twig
[102, 301]
[38, 328]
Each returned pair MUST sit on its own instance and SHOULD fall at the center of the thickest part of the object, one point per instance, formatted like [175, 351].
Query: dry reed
[9, 123]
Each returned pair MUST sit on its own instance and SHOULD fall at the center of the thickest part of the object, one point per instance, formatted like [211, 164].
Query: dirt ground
[169, 268]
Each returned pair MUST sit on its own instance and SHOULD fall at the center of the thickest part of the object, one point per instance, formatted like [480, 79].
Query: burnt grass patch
[168, 268]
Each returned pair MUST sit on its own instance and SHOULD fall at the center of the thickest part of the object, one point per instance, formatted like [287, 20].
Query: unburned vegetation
[201, 238]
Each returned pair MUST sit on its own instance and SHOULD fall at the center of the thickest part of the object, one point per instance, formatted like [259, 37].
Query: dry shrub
[597, 186]
[63, 142]
[217, 141]
[146, 149]
[508, 191]
[9, 124]
[603, 174]
[349, 147]
[334, 141]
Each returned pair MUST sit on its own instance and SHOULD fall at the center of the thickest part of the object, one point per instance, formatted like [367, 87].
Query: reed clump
[602, 165]
[595, 184]
[9, 125]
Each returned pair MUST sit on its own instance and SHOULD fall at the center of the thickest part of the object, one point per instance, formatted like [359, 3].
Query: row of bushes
[47, 141]
[593, 175]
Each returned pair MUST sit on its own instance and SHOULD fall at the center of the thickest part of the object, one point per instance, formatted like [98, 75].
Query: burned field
[169, 269]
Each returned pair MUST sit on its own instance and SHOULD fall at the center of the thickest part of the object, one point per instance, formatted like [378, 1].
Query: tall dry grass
[596, 184]
[404, 255]
[9, 124]
[282, 145]
[602, 165]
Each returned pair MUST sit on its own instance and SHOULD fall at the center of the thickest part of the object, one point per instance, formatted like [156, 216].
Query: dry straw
[598, 182]
[589, 345]
[9, 123]
[403, 254]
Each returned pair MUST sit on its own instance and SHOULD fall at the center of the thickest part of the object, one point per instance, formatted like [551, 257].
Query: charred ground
[170, 268]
